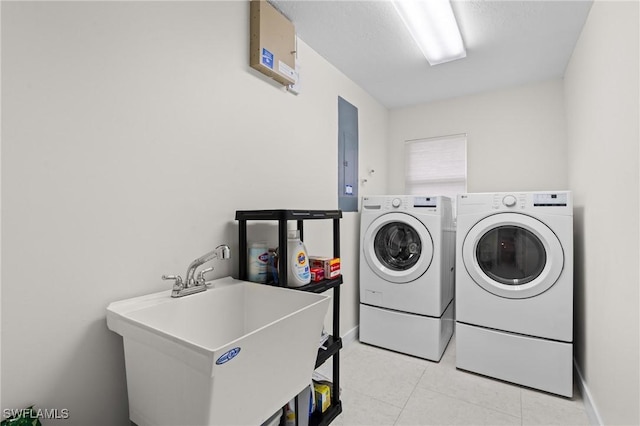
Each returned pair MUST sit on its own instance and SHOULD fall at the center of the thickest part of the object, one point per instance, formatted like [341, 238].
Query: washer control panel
[431, 202]
[510, 201]
[400, 203]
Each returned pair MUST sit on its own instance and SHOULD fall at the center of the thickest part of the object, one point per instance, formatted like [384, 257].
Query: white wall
[602, 104]
[131, 132]
[516, 138]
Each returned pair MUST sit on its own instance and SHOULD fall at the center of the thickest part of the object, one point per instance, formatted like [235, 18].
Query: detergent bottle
[299, 273]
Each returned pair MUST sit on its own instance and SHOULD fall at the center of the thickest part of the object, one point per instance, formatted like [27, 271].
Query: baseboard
[350, 337]
[589, 404]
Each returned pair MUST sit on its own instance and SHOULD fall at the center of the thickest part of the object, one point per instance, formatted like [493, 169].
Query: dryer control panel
[550, 199]
[540, 199]
[552, 202]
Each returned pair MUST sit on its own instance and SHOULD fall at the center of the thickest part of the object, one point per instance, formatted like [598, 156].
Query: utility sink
[231, 355]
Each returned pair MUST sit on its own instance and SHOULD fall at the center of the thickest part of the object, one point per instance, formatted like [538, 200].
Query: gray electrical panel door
[347, 156]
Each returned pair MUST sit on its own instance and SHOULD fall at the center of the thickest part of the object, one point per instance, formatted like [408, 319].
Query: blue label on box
[267, 58]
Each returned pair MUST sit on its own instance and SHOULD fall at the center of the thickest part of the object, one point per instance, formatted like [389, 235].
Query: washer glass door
[513, 255]
[398, 247]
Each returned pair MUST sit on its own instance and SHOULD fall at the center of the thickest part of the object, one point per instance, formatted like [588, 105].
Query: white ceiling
[508, 43]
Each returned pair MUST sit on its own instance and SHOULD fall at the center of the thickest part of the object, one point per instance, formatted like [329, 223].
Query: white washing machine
[514, 288]
[407, 255]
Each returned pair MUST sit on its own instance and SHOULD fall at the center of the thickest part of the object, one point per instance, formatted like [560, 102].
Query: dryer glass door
[513, 255]
[398, 247]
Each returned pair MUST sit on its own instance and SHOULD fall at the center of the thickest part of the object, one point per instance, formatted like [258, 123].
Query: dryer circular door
[398, 247]
[513, 255]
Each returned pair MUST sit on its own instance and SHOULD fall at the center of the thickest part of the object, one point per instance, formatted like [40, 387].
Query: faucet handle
[172, 277]
[200, 280]
[177, 278]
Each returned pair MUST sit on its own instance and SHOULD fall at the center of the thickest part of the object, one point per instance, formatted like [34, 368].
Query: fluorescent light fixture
[433, 27]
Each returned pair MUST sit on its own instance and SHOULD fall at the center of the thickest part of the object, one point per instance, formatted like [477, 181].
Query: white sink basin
[231, 355]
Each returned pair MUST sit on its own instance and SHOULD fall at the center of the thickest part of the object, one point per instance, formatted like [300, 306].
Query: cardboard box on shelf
[330, 265]
[317, 274]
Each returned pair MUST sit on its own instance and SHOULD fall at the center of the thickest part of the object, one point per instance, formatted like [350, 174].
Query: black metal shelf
[287, 214]
[323, 419]
[321, 286]
[315, 287]
[334, 343]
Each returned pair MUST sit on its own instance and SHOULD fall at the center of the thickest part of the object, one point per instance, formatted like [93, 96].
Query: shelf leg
[300, 229]
[283, 256]
[336, 237]
[242, 249]
[335, 396]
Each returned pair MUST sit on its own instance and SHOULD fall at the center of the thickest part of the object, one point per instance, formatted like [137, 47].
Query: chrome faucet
[191, 284]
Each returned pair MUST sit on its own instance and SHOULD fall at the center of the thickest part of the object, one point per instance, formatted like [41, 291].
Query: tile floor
[381, 387]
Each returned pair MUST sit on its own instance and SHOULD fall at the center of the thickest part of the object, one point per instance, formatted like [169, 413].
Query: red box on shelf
[317, 274]
[331, 266]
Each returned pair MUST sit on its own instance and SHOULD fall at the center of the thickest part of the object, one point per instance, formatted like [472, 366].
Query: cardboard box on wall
[272, 43]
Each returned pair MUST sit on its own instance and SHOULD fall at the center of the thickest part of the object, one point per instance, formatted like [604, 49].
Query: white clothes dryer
[514, 288]
[407, 255]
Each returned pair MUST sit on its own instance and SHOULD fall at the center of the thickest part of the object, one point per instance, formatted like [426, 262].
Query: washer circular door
[398, 247]
[513, 255]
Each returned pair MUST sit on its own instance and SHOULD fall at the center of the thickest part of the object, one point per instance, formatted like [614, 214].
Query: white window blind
[436, 166]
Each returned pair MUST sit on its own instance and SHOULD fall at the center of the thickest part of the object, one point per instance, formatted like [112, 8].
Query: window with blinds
[436, 166]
